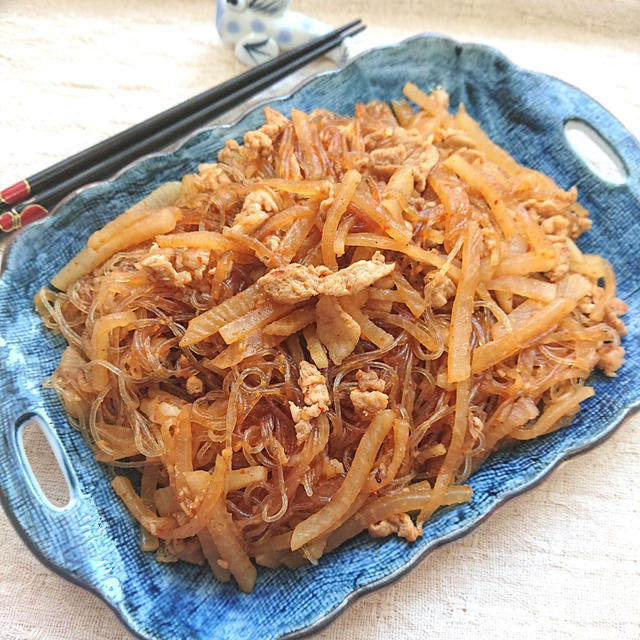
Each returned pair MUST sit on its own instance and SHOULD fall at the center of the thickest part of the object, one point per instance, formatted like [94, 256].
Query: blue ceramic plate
[93, 541]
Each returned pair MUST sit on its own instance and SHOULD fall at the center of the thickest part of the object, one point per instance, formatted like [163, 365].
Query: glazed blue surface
[94, 542]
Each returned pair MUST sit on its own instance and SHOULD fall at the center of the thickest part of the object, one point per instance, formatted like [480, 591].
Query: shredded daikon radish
[328, 330]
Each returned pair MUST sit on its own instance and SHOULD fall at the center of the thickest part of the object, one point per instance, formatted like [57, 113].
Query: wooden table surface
[561, 561]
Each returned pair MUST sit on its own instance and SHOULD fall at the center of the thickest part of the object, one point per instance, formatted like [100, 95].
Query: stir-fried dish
[327, 331]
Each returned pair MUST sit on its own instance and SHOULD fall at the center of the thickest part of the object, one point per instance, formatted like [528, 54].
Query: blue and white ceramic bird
[262, 29]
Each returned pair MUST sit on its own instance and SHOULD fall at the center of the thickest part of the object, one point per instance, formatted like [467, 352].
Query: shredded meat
[336, 329]
[369, 398]
[258, 207]
[230, 154]
[313, 385]
[420, 153]
[556, 225]
[276, 122]
[178, 267]
[614, 309]
[158, 266]
[195, 261]
[412, 140]
[356, 277]
[422, 168]
[579, 225]
[368, 403]
[553, 205]
[316, 399]
[369, 381]
[438, 289]
[296, 282]
[401, 524]
[387, 146]
[213, 176]
[389, 155]
[210, 177]
[302, 417]
[258, 143]
[611, 358]
[293, 283]
[556, 215]
[562, 261]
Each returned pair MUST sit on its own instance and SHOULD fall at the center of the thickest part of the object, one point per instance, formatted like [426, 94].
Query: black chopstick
[108, 156]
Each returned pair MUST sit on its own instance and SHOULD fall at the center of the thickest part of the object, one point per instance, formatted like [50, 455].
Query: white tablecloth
[558, 562]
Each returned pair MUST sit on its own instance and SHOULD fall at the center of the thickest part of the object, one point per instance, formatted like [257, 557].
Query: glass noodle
[326, 331]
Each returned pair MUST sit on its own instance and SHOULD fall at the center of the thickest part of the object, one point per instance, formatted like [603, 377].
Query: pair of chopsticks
[34, 196]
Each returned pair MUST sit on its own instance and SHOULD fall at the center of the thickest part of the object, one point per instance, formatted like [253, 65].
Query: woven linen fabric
[525, 117]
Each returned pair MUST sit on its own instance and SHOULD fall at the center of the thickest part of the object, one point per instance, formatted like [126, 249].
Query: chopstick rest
[260, 29]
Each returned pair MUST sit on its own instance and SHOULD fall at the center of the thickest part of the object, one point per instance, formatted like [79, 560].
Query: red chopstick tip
[12, 220]
[31, 213]
[15, 193]
[6, 221]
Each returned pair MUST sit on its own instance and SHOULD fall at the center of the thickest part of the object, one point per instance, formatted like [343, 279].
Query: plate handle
[59, 458]
[591, 134]
[41, 524]
[595, 151]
